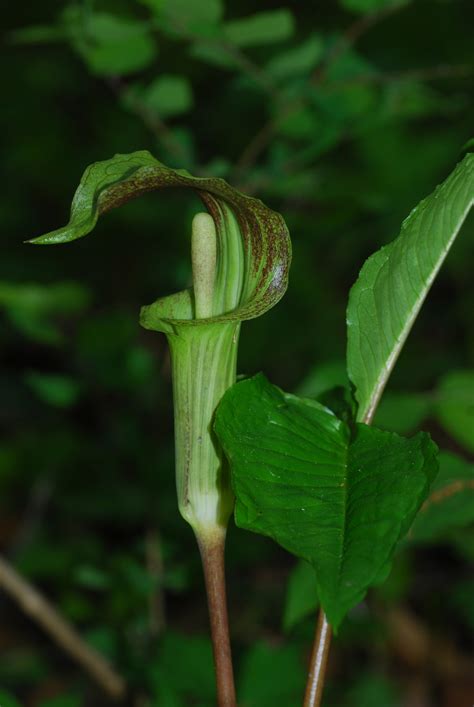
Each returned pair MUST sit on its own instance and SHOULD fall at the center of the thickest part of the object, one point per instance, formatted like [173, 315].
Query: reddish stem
[212, 555]
[318, 662]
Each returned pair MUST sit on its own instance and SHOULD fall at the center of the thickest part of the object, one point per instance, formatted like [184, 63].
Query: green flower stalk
[240, 252]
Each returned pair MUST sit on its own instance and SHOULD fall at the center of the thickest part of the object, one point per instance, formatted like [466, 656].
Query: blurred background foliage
[342, 116]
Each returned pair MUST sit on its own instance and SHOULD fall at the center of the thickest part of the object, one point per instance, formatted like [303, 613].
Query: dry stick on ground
[60, 630]
[212, 554]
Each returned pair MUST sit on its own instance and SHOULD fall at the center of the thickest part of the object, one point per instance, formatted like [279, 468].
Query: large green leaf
[451, 501]
[394, 282]
[339, 499]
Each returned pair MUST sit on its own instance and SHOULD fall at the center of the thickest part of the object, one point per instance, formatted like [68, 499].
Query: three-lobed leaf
[338, 498]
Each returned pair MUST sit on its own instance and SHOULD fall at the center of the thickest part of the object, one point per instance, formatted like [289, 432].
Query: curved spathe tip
[253, 249]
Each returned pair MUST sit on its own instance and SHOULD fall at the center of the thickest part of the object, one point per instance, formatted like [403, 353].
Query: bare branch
[40, 610]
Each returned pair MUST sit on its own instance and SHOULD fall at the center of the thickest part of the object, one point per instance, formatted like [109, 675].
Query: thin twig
[60, 630]
[430, 73]
[212, 555]
[447, 491]
[318, 662]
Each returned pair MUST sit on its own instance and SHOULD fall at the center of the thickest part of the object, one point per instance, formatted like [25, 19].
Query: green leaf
[372, 690]
[213, 54]
[262, 28]
[455, 406]
[91, 577]
[286, 668]
[364, 6]
[337, 499]
[402, 412]
[168, 96]
[298, 61]
[168, 677]
[56, 390]
[394, 282]
[56, 298]
[467, 147]
[38, 34]
[450, 504]
[199, 17]
[7, 700]
[111, 45]
[322, 378]
[62, 701]
[31, 307]
[301, 595]
[300, 125]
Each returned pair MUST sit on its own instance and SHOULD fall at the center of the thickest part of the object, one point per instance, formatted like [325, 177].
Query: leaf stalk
[318, 662]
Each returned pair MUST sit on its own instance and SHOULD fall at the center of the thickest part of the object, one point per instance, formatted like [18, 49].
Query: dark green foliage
[285, 666]
[455, 406]
[301, 595]
[450, 504]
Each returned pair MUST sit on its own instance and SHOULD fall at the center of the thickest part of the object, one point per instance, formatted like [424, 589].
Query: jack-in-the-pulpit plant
[240, 252]
[314, 475]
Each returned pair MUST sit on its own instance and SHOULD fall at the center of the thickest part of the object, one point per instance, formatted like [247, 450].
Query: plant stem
[212, 555]
[318, 662]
